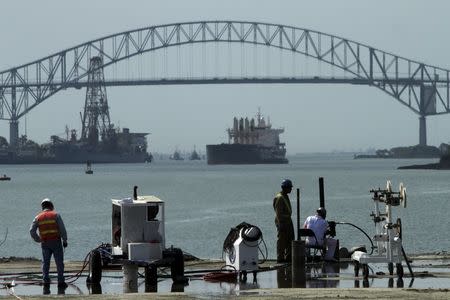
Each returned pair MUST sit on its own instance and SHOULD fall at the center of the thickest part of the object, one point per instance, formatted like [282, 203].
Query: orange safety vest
[48, 227]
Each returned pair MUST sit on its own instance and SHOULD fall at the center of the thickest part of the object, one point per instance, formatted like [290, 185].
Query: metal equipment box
[140, 223]
[144, 251]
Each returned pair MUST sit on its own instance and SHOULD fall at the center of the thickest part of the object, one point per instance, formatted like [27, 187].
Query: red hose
[221, 277]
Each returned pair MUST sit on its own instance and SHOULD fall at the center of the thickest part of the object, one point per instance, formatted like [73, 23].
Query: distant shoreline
[435, 166]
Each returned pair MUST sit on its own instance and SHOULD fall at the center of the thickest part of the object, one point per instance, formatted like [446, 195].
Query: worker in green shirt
[283, 221]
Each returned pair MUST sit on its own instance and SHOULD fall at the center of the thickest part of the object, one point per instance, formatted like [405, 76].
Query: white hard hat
[46, 203]
[45, 200]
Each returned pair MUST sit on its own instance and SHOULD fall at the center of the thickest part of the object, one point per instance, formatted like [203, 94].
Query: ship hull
[236, 154]
[76, 157]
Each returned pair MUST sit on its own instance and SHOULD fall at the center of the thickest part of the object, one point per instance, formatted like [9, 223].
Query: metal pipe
[135, 192]
[321, 193]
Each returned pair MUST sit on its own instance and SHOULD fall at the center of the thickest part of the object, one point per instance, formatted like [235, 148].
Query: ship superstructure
[250, 141]
[246, 132]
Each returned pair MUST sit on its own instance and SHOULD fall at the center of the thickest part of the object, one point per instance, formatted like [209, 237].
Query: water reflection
[399, 283]
[46, 289]
[322, 275]
[242, 286]
[94, 288]
[284, 277]
[178, 287]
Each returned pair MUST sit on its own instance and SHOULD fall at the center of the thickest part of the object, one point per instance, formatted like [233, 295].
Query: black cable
[371, 242]
[407, 263]
[259, 248]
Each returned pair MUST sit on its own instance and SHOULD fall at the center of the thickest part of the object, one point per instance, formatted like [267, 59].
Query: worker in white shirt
[320, 226]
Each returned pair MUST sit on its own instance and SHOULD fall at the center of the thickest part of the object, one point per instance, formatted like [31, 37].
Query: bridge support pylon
[422, 131]
[14, 133]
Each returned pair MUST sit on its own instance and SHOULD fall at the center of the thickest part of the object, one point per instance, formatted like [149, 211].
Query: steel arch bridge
[421, 87]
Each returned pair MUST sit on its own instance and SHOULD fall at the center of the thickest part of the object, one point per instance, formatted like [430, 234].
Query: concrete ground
[369, 293]
[10, 267]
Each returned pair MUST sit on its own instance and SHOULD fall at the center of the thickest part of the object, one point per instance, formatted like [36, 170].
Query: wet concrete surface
[432, 274]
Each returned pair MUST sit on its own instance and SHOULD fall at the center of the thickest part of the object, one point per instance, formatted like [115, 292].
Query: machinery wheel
[399, 270]
[95, 268]
[391, 268]
[356, 268]
[365, 271]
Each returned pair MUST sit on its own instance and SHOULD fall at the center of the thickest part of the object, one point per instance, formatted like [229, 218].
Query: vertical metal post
[130, 277]
[298, 264]
[371, 65]
[298, 214]
[298, 254]
[151, 279]
[422, 131]
[321, 193]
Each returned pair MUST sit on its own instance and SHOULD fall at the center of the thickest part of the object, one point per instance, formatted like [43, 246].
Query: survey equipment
[388, 238]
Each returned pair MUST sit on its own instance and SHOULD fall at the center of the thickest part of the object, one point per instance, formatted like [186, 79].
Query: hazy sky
[315, 117]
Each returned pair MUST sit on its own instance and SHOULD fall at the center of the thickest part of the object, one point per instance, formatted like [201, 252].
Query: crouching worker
[321, 228]
[49, 230]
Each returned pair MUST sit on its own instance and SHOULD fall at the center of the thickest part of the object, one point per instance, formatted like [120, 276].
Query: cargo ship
[118, 147]
[249, 142]
[100, 140]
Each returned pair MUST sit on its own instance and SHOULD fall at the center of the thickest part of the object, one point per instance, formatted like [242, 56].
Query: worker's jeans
[55, 248]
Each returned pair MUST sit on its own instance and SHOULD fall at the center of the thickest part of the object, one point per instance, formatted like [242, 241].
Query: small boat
[176, 156]
[194, 155]
[5, 178]
[88, 168]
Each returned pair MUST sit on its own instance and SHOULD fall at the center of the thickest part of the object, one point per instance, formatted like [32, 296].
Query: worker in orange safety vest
[49, 230]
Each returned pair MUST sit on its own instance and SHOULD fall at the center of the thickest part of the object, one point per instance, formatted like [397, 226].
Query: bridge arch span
[421, 87]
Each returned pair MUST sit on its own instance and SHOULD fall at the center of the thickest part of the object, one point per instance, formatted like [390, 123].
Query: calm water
[203, 202]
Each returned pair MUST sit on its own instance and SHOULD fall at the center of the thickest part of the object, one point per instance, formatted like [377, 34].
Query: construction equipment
[388, 240]
[241, 248]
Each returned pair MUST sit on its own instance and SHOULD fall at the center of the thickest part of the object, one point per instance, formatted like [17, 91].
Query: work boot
[62, 285]
[46, 289]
